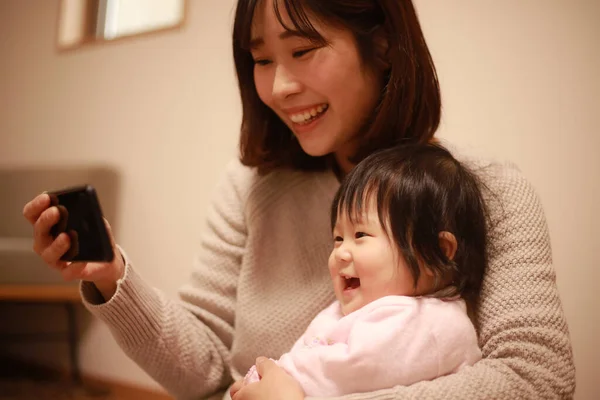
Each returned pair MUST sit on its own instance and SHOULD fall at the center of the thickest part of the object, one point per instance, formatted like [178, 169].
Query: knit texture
[261, 276]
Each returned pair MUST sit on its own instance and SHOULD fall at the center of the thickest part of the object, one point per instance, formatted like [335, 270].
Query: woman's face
[324, 94]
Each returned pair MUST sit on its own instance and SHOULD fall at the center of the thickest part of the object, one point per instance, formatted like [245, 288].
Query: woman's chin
[314, 149]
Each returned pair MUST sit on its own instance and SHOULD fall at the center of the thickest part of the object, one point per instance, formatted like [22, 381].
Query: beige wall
[519, 81]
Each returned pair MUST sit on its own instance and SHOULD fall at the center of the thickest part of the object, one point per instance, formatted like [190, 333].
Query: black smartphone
[81, 218]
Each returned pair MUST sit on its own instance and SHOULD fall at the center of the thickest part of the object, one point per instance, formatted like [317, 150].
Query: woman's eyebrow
[259, 41]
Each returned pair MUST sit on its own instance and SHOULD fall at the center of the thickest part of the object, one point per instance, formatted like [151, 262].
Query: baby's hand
[273, 383]
[251, 376]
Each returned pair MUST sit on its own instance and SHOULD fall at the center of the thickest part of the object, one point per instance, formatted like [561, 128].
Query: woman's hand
[104, 275]
[275, 384]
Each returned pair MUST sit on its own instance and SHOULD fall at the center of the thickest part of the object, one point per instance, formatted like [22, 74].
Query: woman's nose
[284, 83]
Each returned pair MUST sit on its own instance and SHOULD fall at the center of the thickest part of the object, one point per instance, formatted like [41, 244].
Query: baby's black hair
[420, 191]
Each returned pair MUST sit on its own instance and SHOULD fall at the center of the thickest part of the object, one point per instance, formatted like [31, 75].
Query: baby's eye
[338, 239]
[359, 235]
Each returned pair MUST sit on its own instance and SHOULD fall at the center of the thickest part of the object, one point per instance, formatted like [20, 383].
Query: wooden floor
[22, 389]
[19, 382]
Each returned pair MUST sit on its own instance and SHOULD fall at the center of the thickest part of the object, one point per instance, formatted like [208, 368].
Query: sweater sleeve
[522, 328]
[191, 336]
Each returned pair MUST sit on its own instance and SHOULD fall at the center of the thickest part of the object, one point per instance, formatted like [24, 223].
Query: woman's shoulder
[511, 199]
[501, 178]
[278, 185]
[492, 170]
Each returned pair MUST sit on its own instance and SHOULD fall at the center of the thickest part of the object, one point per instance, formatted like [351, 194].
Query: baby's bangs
[355, 199]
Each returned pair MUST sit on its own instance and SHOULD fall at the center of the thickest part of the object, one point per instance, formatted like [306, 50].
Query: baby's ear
[448, 244]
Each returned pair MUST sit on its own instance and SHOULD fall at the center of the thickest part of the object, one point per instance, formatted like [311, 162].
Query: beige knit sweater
[261, 276]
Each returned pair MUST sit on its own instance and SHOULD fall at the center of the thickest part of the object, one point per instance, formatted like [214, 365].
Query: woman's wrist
[108, 287]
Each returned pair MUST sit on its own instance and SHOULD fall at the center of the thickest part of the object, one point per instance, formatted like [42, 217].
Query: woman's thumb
[263, 364]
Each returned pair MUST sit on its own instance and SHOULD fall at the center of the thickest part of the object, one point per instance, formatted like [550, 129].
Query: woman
[323, 84]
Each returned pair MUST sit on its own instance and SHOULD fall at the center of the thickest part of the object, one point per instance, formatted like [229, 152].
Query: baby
[409, 232]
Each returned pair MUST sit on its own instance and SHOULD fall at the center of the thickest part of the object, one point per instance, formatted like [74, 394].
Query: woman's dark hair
[420, 191]
[409, 107]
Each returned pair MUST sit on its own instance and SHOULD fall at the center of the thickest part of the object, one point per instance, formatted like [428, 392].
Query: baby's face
[365, 264]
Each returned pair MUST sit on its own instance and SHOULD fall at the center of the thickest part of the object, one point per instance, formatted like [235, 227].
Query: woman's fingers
[43, 216]
[264, 366]
[236, 388]
[36, 207]
[41, 229]
[52, 253]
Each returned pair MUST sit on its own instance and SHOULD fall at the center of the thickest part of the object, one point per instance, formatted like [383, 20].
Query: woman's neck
[343, 164]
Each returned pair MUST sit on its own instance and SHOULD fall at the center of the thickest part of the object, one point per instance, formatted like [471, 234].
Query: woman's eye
[262, 62]
[359, 235]
[300, 53]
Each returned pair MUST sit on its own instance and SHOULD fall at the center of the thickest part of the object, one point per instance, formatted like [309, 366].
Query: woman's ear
[448, 244]
[381, 46]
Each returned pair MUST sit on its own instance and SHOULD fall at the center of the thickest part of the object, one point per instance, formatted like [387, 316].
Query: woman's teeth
[308, 115]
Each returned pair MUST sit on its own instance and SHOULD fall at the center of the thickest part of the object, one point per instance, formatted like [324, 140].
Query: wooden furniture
[40, 293]
[25, 280]
[66, 296]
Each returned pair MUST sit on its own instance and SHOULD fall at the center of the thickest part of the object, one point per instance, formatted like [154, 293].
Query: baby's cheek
[331, 265]
[368, 293]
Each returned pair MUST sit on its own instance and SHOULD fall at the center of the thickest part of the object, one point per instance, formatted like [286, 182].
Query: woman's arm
[184, 345]
[522, 328]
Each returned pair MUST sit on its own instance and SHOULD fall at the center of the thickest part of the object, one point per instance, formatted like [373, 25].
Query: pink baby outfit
[395, 340]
